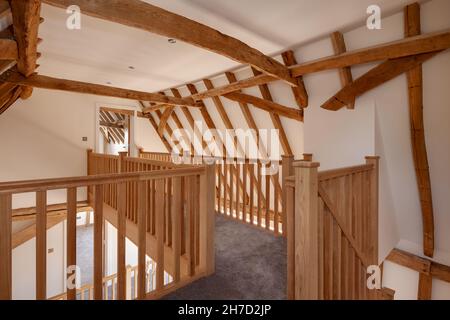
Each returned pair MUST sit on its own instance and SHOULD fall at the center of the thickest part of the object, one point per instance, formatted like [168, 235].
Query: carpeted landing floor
[250, 264]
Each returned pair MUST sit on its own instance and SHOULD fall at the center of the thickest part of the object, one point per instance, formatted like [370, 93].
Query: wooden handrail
[84, 181]
[340, 172]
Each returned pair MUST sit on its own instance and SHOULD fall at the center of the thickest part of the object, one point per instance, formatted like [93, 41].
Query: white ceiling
[102, 51]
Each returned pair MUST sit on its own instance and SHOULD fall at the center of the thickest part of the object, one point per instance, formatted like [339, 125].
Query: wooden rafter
[155, 127]
[427, 269]
[164, 118]
[26, 20]
[111, 125]
[419, 148]
[276, 121]
[300, 94]
[119, 132]
[406, 47]
[138, 14]
[266, 105]
[114, 133]
[10, 99]
[26, 16]
[45, 82]
[375, 77]
[345, 73]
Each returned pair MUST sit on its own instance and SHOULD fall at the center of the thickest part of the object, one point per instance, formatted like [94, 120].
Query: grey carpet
[250, 264]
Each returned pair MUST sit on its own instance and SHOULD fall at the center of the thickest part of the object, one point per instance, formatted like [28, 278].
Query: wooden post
[121, 167]
[98, 243]
[306, 230]
[207, 220]
[373, 254]
[72, 239]
[121, 233]
[5, 247]
[290, 239]
[177, 213]
[307, 157]
[41, 245]
[287, 171]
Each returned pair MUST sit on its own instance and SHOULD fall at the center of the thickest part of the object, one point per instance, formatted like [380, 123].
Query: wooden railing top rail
[239, 159]
[103, 155]
[158, 162]
[84, 181]
[336, 173]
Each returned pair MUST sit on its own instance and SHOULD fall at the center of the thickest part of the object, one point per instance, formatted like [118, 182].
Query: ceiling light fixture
[108, 82]
[131, 67]
[171, 40]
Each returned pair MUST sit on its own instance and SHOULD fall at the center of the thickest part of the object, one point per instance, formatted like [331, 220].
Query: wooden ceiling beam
[141, 15]
[377, 76]
[8, 49]
[111, 125]
[430, 42]
[266, 105]
[164, 118]
[26, 16]
[419, 264]
[406, 47]
[155, 127]
[11, 99]
[276, 121]
[419, 148]
[45, 82]
[300, 93]
[345, 73]
[26, 20]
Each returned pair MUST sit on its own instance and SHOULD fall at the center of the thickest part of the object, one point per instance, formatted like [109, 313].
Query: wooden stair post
[306, 230]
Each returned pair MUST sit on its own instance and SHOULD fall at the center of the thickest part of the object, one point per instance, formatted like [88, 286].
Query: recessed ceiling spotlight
[131, 67]
[108, 82]
[171, 40]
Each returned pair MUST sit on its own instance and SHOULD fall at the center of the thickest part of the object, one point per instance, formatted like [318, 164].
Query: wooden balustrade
[243, 191]
[332, 231]
[147, 195]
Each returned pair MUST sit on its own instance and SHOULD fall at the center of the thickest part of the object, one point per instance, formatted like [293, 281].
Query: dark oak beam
[266, 105]
[345, 73]
[419, 148]
[26, 15]
[8, 49]
[300, 94]
[382, 73]
[45, 82]
[406, 47]
[138, 14]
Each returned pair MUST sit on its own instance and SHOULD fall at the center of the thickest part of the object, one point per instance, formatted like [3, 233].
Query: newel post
[207, 219]
[306, 230]
[287, 170]
[374, 177]
[121, 163]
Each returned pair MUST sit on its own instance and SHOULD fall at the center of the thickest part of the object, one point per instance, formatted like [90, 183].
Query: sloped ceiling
[103, 52]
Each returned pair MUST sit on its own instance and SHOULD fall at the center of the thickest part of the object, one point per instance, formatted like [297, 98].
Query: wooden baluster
[5, 247]
[168, 212]
[225, 185]
[176, 232]
[159, 233]
[41, 245]
[267, 195]
[190, 237]
[259, 193]
[121, 251]
[289, 204]
[252, 192]
[219, 186]
[231, 189]
[238, 179]
[207, 218]
[98, 243]
[196, 192]
[244, 191]
[142, 236]
[373, 220]
[276, 227]
[287, 171]
[71, 242]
